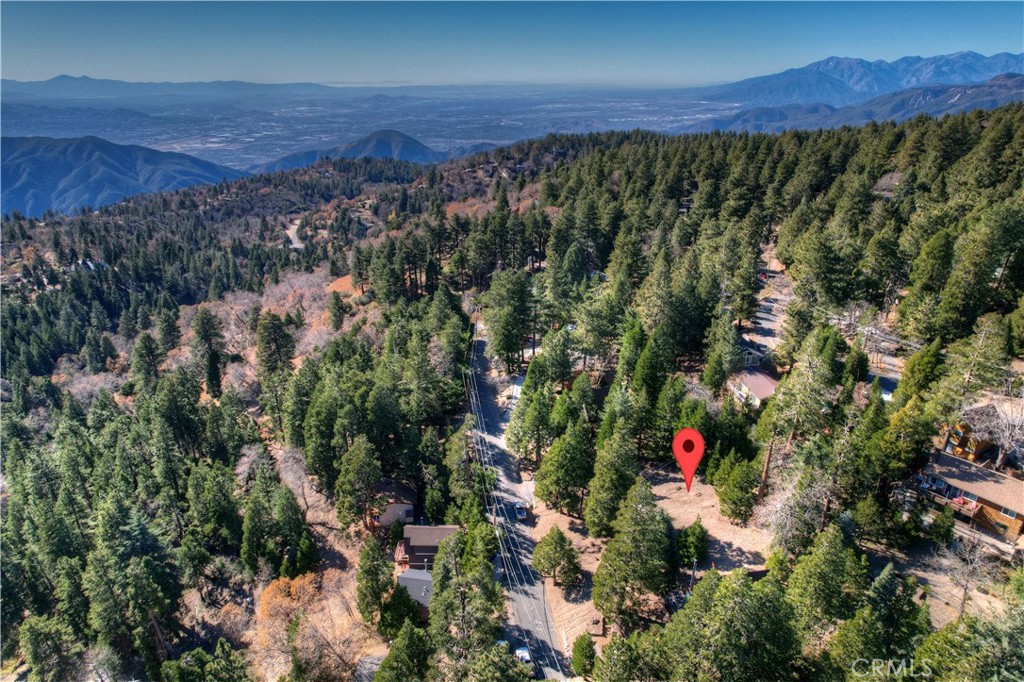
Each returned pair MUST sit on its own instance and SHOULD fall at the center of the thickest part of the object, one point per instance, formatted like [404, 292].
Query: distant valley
[255, 126]
[129, 138]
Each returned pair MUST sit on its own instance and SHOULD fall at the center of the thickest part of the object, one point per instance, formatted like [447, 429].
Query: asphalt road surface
[530, 622]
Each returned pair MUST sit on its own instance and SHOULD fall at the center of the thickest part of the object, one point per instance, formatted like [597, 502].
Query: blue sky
[649, 44]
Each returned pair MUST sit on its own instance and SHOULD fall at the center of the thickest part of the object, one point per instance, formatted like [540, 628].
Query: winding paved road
[530, 623]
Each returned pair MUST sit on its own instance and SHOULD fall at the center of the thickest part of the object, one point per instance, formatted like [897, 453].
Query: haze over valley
[247, 126]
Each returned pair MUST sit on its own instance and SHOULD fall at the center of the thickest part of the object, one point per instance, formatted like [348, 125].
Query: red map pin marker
[688, 446]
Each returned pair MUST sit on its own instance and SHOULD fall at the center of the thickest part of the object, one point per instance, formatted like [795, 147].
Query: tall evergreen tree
[374, 581]
[358, 476]
[637, 560]
[826, 584]
[567, 469]
[615, 469]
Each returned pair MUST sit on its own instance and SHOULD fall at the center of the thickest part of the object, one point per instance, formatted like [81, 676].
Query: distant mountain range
[383, 144]
[842, 81]
[933, 100]
[41, 173]
[84, 87]
[57, 162]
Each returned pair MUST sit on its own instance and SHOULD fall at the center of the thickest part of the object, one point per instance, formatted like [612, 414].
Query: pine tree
[50, 648]
[921, 369]
[508, 315]
[654, 364]
[567, 469]
[297, 400]
[555, 556]
[722, 348]
[902, 621]
[536, 430]
[337, 309]
[558, 356]
[408, 656]
[615, 469]
[258, 527]
[928, 275]
[736, 481]
[497, 664]
[906, 437]
[274, 344]
[466, 606]
[632, 345]
[167, 329]
[583, 655]
[693, 544]
[208, 347]
[145, 364]
[574, 404]
[398, 609]
[987, 248]
[374, 581]
[826, 584]
[637, 560]
[1015, 329]
[726, 619]
[856, 366]
[224, 665]
[358, 476]
[274, 349]
[972, 365]
[637, 657]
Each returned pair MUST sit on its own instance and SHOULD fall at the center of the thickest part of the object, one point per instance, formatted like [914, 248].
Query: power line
[508, 540]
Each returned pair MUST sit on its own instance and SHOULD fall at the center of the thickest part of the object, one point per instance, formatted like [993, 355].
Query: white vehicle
[523, 655]
[520, 511]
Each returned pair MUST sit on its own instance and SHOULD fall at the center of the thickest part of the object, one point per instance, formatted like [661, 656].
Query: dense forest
[633, 262]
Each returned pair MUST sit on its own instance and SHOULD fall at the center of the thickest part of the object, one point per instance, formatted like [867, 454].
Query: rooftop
[987, 484]
[397, 492]
[427, 536]
[747, 344]
[419, 585]
[759, 384]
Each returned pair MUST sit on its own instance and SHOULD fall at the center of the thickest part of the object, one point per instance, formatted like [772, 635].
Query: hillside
[383, 144]
[842, 81]
[213, 397]
[41, 174]
[932, 100]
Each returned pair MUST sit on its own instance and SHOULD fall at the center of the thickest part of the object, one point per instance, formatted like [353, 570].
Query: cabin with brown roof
[419, 545]
[981, 496]
[752, 387]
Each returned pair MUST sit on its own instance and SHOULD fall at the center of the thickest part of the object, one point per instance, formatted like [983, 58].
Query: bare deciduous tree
[968, 563]
[1010, 425]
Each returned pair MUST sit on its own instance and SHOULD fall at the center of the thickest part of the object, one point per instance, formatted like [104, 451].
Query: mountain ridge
[933, 100]
[842, 81]
[66, 174]
[380, 144]
[856, 75]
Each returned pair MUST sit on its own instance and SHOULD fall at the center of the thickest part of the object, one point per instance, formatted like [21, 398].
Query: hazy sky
[457, 43]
